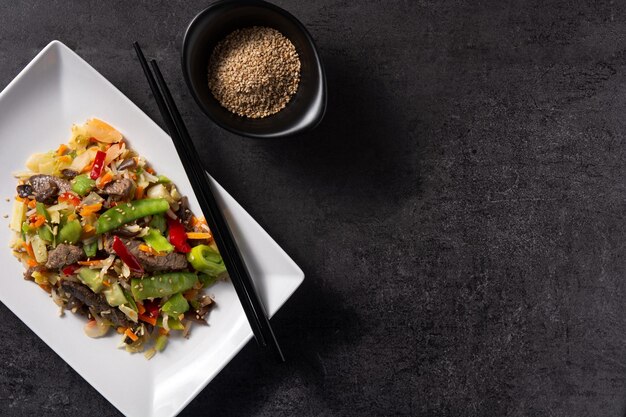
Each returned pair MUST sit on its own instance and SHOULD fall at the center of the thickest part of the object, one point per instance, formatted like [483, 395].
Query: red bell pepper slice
[126, 256]
[177, 235]
[98, 165]
[70, 269]
[69, 198]
[152, 308]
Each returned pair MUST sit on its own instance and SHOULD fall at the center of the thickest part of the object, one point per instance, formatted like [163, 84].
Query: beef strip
[69, 173]
[97, 302]
[63, 255]
[127, 164]
[119, 189]
[171, 262]
[185, 214]
[47, 187]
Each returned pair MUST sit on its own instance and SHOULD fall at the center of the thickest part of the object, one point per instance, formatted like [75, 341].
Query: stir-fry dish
[107, 237]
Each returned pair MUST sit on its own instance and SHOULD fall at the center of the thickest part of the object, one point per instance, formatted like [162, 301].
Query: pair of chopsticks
[237, 270]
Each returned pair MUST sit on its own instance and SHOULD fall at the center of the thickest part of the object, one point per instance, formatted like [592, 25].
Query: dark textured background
[459, 214]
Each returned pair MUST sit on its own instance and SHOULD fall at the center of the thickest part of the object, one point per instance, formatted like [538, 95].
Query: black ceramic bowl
[306, 108]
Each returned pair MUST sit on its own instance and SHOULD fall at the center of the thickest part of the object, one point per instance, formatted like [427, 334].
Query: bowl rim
[184, 55]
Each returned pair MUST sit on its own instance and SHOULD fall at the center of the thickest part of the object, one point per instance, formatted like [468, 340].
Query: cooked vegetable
[205, 259]
[91, 278]
[128, 212]
[70, 233]
[126, 256]
[114, 295]
[18, 215]
[98, 165]
[160, 343]
[39, 249]
[161, 285]
[158, 222]
[82, 184]
[157, 241]
[177, 304]
[177, 235]
[90, 249]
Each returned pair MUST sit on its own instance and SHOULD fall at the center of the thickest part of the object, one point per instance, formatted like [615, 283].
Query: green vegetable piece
[161, 342]
[126, 213]
[161, 285]
[172, 322]
[91, 278]
[157, 241]
[158, 222]
[45, 232]
[26, 228]
[82, 184]
[163, 179]
[205, 259]
[70, 233]
[41, 209]
[177, 304]
[91, 249]
[207, 280]
[114, 295]
[129, 298]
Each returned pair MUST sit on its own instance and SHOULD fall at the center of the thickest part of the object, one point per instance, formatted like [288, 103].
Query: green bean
[128, 212]
[207, 260]
[161, 285]
[70, 233]
[177, 304]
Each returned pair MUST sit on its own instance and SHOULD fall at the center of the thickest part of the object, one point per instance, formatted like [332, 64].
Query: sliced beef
[46, 188]
[24, 190]
[127, 164]
[69, 173]
[63, 255]
[97, 302]
[185, 214]
[119, 189]
[171, 262]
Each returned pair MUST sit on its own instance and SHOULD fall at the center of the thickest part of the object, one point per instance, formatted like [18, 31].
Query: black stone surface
[459, 214]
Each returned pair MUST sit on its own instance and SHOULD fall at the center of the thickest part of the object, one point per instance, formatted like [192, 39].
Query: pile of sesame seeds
[254, 72]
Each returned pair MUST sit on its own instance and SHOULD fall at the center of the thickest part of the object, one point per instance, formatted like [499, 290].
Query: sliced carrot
[131, 335]
[37, 220]
[46, 288]
[198, 235]
[150, 250]
[148, 319]
[106, 283]
[139, 193]
[133, 176]
[163, 332]
[61, 150]
[140, 308]
[88, 231]
[120, 330]
[90, 209]
[149, 170]
[29, 249]
[105, 179]
[32, 204]
[31, 262]
[66, 159]
[195, 221]
[72, 216]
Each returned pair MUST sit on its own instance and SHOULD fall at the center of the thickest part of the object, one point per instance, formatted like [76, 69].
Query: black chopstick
[237, 270]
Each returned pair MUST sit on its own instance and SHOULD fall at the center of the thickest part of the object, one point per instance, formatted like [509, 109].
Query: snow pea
[157, 241]
[205, 259]
[128, 212]
[177, 304]
[161, 285]
[70, 233]
[82, 184]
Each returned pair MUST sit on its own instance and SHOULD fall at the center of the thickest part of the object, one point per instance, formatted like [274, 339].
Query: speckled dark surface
[459, 214]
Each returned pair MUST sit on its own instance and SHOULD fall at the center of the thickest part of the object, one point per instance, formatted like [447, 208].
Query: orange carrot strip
[90, 209]
[105, 179]
[140, 308]
[90, 263]
[46, 288]
[148, 319]
[32, 204]
[62, 149]
[120, 330]
[29, 249]
[31, 262]
[197, 235]
[131, 335]
[139, 193]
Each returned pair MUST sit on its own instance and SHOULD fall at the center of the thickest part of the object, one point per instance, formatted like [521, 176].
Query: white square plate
[56, 89]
